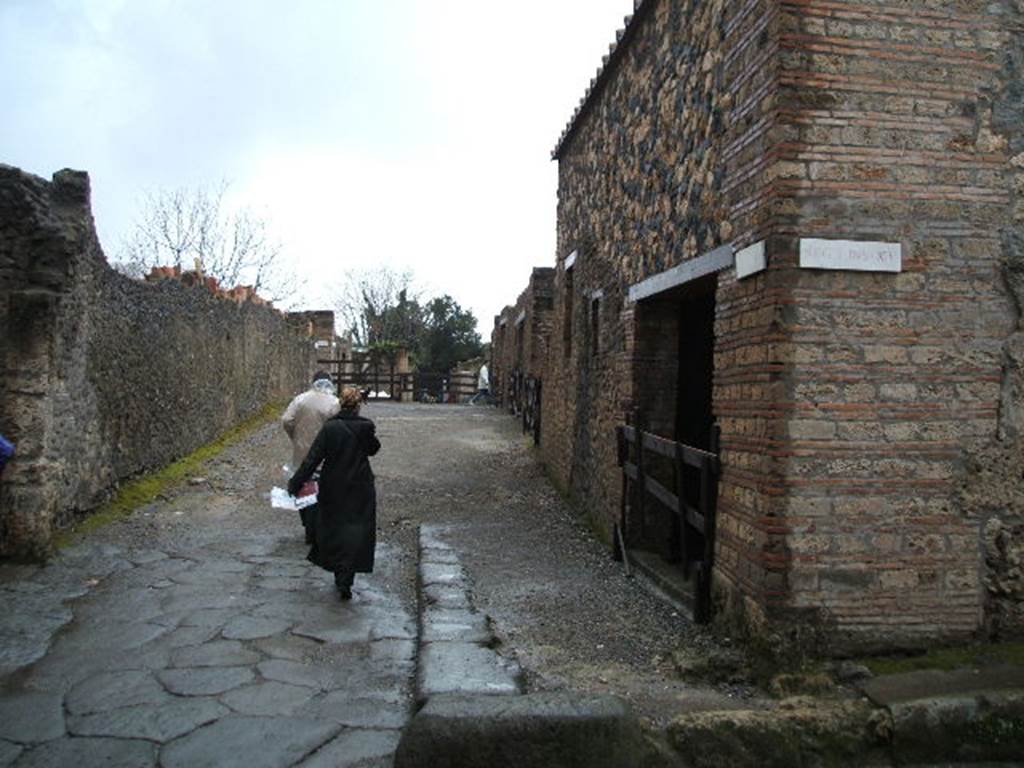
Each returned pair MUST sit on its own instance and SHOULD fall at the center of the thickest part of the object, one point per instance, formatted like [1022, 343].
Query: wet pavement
[194, 632]
[216, 645]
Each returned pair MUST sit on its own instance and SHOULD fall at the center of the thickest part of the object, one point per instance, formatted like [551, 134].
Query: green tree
[379, 305]
[448, 336]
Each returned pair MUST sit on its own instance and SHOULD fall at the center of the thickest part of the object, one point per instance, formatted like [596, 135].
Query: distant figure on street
[302, 420]
[345, 522]
[483, 386]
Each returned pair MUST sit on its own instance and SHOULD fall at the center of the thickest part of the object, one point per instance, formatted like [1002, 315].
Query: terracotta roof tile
[608, 62]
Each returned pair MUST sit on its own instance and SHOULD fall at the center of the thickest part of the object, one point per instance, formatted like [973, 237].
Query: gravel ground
[557, 600]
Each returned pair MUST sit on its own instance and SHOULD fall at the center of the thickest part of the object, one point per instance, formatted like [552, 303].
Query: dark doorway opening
[694, 417]
[671, 474]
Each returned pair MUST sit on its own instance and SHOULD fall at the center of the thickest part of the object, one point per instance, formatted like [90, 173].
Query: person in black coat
[345, 522]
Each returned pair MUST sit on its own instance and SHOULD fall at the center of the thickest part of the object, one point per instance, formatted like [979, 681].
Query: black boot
[343, 582]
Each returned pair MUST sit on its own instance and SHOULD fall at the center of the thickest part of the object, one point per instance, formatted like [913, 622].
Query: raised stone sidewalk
[455, 641]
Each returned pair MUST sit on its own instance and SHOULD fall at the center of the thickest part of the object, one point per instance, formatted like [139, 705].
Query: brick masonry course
[870, 422]
[103, 376]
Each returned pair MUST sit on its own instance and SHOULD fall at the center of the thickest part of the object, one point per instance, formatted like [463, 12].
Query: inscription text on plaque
[856, 255]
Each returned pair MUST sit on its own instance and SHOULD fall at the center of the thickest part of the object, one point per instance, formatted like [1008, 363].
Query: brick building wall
[886, 133]
[502, 355]
[519, 341]
[670, 159]
[863, 416]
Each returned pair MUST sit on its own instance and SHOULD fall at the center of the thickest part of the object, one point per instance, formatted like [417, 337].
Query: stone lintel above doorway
[705, 264]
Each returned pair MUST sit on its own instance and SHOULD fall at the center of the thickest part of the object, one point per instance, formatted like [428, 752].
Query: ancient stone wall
[887, 133]
[669, 160]
[870, 422]
[104, 376]
[502, 362]
[519, 341]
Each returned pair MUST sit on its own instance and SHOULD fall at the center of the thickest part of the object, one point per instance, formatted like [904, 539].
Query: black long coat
[345, 521]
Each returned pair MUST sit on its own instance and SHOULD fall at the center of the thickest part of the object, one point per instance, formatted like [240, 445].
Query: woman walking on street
[345, 522]
[302, 420]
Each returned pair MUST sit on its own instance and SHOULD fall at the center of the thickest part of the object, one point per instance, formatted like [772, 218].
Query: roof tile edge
[605, 71]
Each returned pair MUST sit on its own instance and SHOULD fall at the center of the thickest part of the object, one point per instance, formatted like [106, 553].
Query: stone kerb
[455, 656]
[473, 711]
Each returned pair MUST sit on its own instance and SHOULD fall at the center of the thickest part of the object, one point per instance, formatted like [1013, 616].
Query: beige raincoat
[304, 417]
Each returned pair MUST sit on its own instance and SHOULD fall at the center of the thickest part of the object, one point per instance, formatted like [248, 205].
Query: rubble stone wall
[671, 160]
[502, 355]
[104, 376]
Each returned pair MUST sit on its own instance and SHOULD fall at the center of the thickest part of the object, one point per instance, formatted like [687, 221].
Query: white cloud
[407, 132]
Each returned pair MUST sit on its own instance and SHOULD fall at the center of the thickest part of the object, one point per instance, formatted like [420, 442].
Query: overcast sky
[413, 133]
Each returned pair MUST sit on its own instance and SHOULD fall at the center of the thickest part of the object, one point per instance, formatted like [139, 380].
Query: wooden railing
[531, 408]
[381, 381]
[691, 527]
[442, 387]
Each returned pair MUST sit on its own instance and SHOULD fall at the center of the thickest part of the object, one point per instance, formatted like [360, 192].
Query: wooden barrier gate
[691, 526]
[531, 408]
[380, 380]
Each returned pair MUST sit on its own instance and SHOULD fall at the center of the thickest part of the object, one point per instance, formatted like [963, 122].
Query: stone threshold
[663, 580]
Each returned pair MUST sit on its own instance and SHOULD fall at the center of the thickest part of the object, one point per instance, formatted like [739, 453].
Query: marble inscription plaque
[855, 255]
[750, 260]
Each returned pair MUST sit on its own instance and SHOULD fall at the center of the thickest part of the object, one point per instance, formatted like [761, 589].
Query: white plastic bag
[281, 499]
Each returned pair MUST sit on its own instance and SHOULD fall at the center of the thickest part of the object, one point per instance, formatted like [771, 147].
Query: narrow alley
[195, 633]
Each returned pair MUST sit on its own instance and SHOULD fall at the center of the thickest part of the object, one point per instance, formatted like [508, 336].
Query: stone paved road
[196, 634]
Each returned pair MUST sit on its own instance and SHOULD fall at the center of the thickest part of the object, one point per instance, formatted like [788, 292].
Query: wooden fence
[691, 526]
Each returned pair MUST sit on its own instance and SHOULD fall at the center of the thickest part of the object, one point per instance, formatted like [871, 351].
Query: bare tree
[179, 227]
[379, 304]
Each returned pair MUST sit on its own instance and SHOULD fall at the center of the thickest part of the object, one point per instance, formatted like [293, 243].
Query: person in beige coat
[302, 420]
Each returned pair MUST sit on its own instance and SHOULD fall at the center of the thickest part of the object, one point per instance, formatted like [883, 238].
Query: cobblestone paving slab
[254, 628]
[113, 690]
[31, 620]
[288, 647]
[192, 640]
[248, 742]
[357, 631]
[216, 653]
[356, 749]
[447, 574]
[269, 698]
[296, 673]
[86, 753]
[455, 624]
[8, 753]
[455, 656]
[155, 723]
[464, 668]
[341, 708]
[205, 681]
[30, 717]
